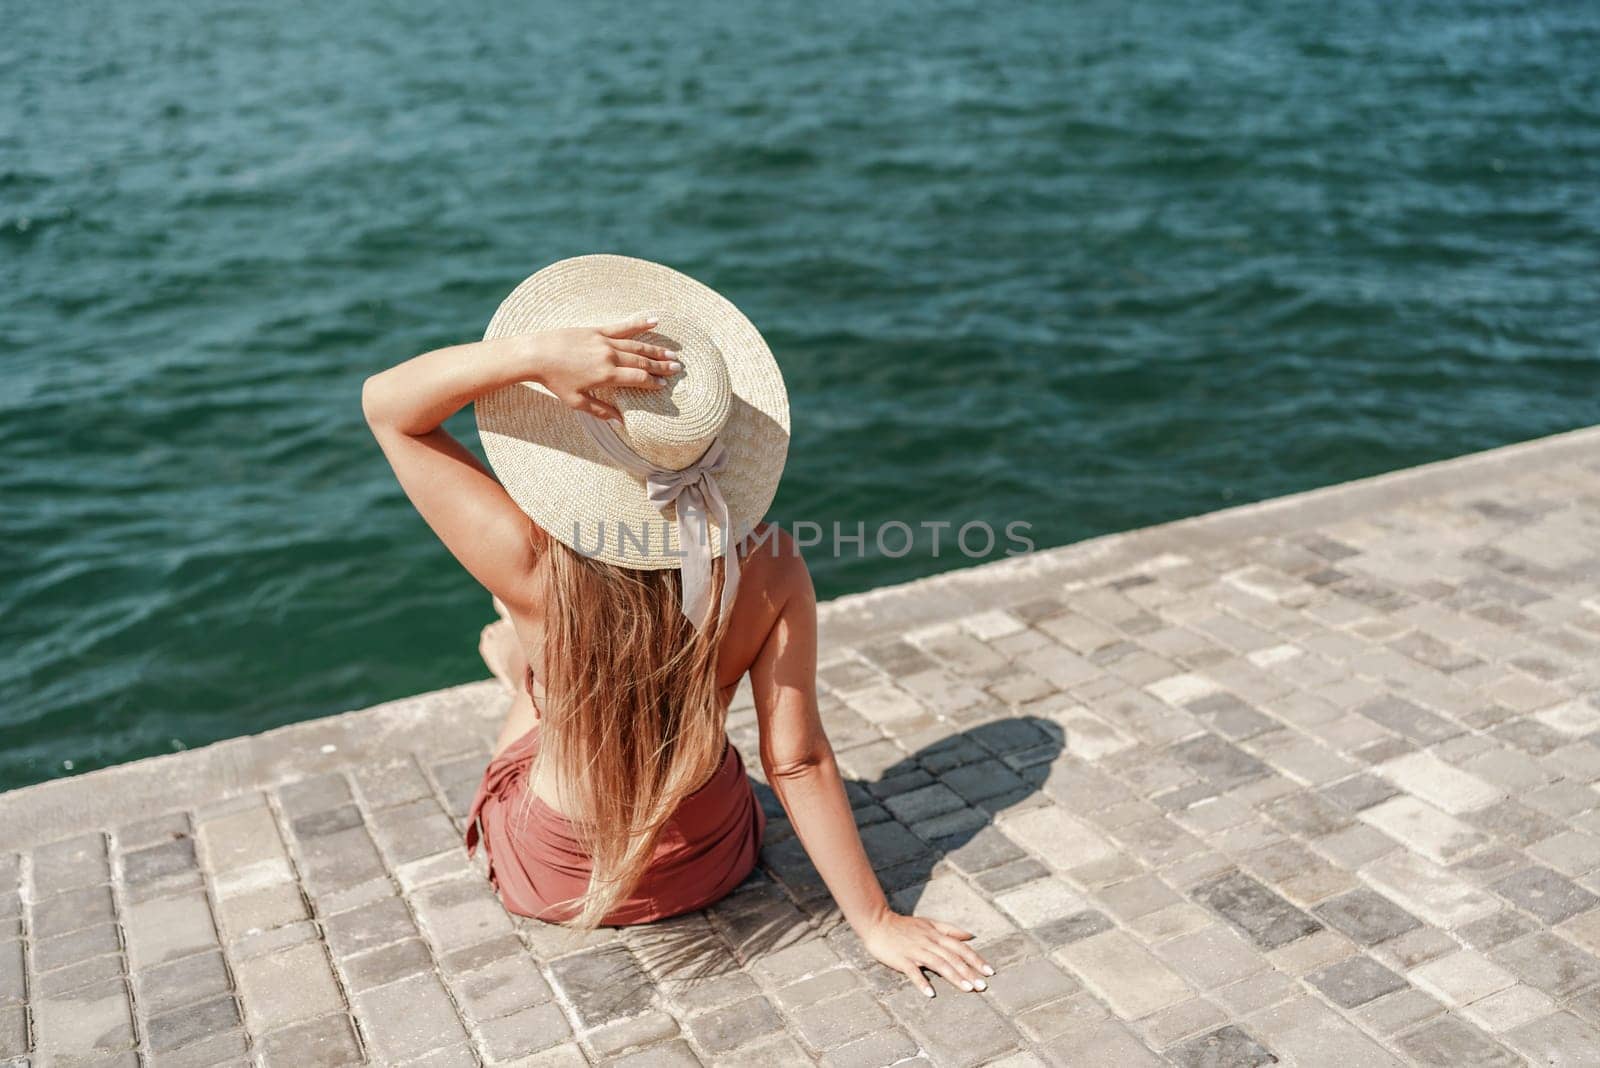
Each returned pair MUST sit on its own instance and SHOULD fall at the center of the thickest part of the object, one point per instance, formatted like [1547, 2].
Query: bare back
[765, 573]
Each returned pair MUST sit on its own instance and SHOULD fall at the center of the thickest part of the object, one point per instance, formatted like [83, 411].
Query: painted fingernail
[980, 985]
[674, 366]
[928, 990]
[987, 970]
[651, 319]
[965, 985]
[658, 380]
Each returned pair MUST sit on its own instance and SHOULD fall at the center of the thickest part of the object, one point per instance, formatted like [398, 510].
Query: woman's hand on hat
[573, 363]
[909, 944]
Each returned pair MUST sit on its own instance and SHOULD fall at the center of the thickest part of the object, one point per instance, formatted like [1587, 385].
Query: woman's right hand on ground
[910, 943]
[573, 363]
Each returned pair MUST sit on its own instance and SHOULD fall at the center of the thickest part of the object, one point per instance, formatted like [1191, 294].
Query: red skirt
[710, 843]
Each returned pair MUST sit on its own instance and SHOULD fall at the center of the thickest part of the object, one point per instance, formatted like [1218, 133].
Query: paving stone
[1549, 963]
[603, 984]
[643, 1030]
[460, 912]
[1123, 973]
[287, 986]
[1452, 1043]
[1355, 981]
[1211, 957]
[500, 987]
[182, 982]
[179, 1027]
[1509, 1008]
[1399, 1011]
[1226, 1047]
[735, 1025]
[828, 1024]
[955, 1028]
[166, 928]
[76, 947]
[385, 965]
[1366, 916]
[405, 1019]
[1266, 918]
[326, 1042]
[871, 1051]
[1547, 895]
[70, 863]
[1072, 928]
[1558, 1039]
[527, 1031]
[92, 1020]
[1424, 829]
[1428, 891]
[159, 861]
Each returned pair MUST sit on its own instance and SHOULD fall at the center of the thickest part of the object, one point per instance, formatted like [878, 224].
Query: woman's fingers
[628, 328]
[960, 949]
[646, 362]
[952, 968]
[633, 378]
[644, 348]
[914, 973]
[597, 408]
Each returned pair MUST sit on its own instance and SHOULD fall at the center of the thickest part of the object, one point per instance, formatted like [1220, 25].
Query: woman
[637, 424]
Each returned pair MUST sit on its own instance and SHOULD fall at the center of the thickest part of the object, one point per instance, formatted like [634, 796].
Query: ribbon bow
[692, 492]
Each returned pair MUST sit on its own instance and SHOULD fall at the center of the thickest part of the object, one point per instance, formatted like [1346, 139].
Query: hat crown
[672, 427]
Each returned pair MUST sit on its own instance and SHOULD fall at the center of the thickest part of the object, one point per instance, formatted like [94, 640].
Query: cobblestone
[1309, 780]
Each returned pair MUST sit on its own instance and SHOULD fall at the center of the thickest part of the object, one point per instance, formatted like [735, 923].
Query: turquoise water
[1088, 269]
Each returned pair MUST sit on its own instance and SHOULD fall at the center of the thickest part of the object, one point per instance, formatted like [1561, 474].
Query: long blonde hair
[631, 723]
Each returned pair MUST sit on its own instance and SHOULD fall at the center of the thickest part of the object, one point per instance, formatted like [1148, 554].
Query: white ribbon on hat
[693, 493]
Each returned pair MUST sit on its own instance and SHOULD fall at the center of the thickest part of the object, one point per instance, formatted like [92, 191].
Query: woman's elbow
[372, 407]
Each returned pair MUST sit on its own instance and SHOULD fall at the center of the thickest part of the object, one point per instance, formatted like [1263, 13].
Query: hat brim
[556, 474]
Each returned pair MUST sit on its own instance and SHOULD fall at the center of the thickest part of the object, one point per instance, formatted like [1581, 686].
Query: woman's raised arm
[456, 495]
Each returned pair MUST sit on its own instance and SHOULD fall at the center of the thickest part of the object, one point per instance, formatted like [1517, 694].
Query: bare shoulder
[774, 564]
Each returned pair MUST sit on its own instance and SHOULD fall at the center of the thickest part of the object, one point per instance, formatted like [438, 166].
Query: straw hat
[729, 393]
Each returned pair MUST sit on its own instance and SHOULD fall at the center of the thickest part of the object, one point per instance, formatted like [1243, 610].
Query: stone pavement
[1312, 780]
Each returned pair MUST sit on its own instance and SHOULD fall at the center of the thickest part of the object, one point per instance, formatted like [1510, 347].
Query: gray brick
[521, 1033]
[646, 1029]
[892, 1046]
[379, 966]
[414, 830]
[325, 1042]
[735, 1025]
[1450, 1043]
[1366, 916]
[458, 913]
[158, 862]
[1355, 981]
[408, 1018]
[501, 987]
[956, 1028]
[180, 1027]
[832, 1023]
[182, 982]
[1268, 919]
[75, 947]
[1226, 1047]
[69, 864]
[72, 911]
[1023, 984]
[92, 1020]
[1550, 963]
[1547, 895]
[167, 928]
[603, 984]
[1408, 719]
[310, 796]
[379, 923]
[73, 976]
[287, 986]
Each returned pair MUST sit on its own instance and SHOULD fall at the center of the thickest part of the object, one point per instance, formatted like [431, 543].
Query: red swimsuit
[708, 846]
